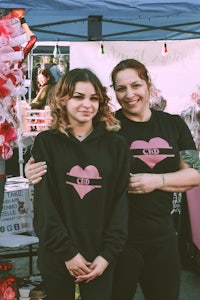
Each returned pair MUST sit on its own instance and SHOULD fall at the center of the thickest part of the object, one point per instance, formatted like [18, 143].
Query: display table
[16, 241]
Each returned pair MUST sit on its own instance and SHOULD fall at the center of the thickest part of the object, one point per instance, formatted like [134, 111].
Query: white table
[13, 241]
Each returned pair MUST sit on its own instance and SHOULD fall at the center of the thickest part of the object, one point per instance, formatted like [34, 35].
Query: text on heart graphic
[83, 179]
[151, 151]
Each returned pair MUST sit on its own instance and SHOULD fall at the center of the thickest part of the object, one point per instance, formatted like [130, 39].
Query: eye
[121, 89]
[136, 85]
[95, 98]
[78, 97]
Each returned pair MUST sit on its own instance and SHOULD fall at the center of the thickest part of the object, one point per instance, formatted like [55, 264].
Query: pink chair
[193, 201]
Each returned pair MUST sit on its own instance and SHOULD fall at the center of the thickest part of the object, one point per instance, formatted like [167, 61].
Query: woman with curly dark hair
[80, 206]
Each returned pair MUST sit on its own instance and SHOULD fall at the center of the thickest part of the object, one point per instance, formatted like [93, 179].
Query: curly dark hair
[64, 89]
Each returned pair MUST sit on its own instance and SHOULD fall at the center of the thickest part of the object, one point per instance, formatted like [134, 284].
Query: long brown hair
[64, 89]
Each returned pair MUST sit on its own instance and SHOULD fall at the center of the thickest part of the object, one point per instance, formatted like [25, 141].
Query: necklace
[81, 137]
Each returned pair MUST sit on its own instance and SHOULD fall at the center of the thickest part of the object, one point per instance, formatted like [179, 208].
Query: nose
[86, 102]
[129, 93]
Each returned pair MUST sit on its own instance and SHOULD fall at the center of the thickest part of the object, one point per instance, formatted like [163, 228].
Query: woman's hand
[78, 265]
[143, 183]
[97, 268]
[34, 171]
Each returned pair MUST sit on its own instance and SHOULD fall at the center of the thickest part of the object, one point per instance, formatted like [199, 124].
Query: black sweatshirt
[80, 206]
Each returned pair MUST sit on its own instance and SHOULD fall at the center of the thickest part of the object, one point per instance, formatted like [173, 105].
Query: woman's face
[42, 79]
[84, 103]
[132, 93]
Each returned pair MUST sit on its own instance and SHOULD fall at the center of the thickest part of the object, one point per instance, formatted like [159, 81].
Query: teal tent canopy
[110, 20]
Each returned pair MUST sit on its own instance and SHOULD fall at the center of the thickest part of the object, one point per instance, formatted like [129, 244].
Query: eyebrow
[136, 81]
[84, 94]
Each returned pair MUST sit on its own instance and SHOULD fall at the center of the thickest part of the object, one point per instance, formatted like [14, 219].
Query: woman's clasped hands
[86, 271]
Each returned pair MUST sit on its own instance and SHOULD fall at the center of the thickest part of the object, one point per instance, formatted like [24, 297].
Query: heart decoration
[151, 151]
[83, 179]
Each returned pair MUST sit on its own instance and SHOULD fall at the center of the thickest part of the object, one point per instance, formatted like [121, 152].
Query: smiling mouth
[85, 112]
[132, 102]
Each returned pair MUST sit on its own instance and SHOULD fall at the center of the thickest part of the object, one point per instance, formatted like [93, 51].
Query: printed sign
[17, 211]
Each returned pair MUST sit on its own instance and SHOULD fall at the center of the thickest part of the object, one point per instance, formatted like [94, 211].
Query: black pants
[59, 284]
[155, 266]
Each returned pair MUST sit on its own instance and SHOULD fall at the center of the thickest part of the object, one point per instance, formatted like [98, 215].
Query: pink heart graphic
[82, 185]
[151, 151]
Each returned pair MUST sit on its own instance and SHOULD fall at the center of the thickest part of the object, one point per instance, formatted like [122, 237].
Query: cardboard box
[38, 293]
[17, 210]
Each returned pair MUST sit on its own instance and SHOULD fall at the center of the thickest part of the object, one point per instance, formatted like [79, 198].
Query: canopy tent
[111, 20]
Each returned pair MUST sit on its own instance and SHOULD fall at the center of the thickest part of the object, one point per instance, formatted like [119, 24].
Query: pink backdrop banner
[193, 201]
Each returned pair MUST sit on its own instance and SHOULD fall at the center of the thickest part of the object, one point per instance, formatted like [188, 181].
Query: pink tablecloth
[193, 201]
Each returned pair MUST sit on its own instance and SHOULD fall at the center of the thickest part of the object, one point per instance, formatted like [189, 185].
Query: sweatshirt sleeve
[48, 224]
[117, 230]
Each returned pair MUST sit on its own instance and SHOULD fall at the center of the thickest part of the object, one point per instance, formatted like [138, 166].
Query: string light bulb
[164, 50]
[102, 48]
[56, 51]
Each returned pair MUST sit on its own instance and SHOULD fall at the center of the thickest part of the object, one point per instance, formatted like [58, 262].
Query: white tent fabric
[111, 20]
[176, 75]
